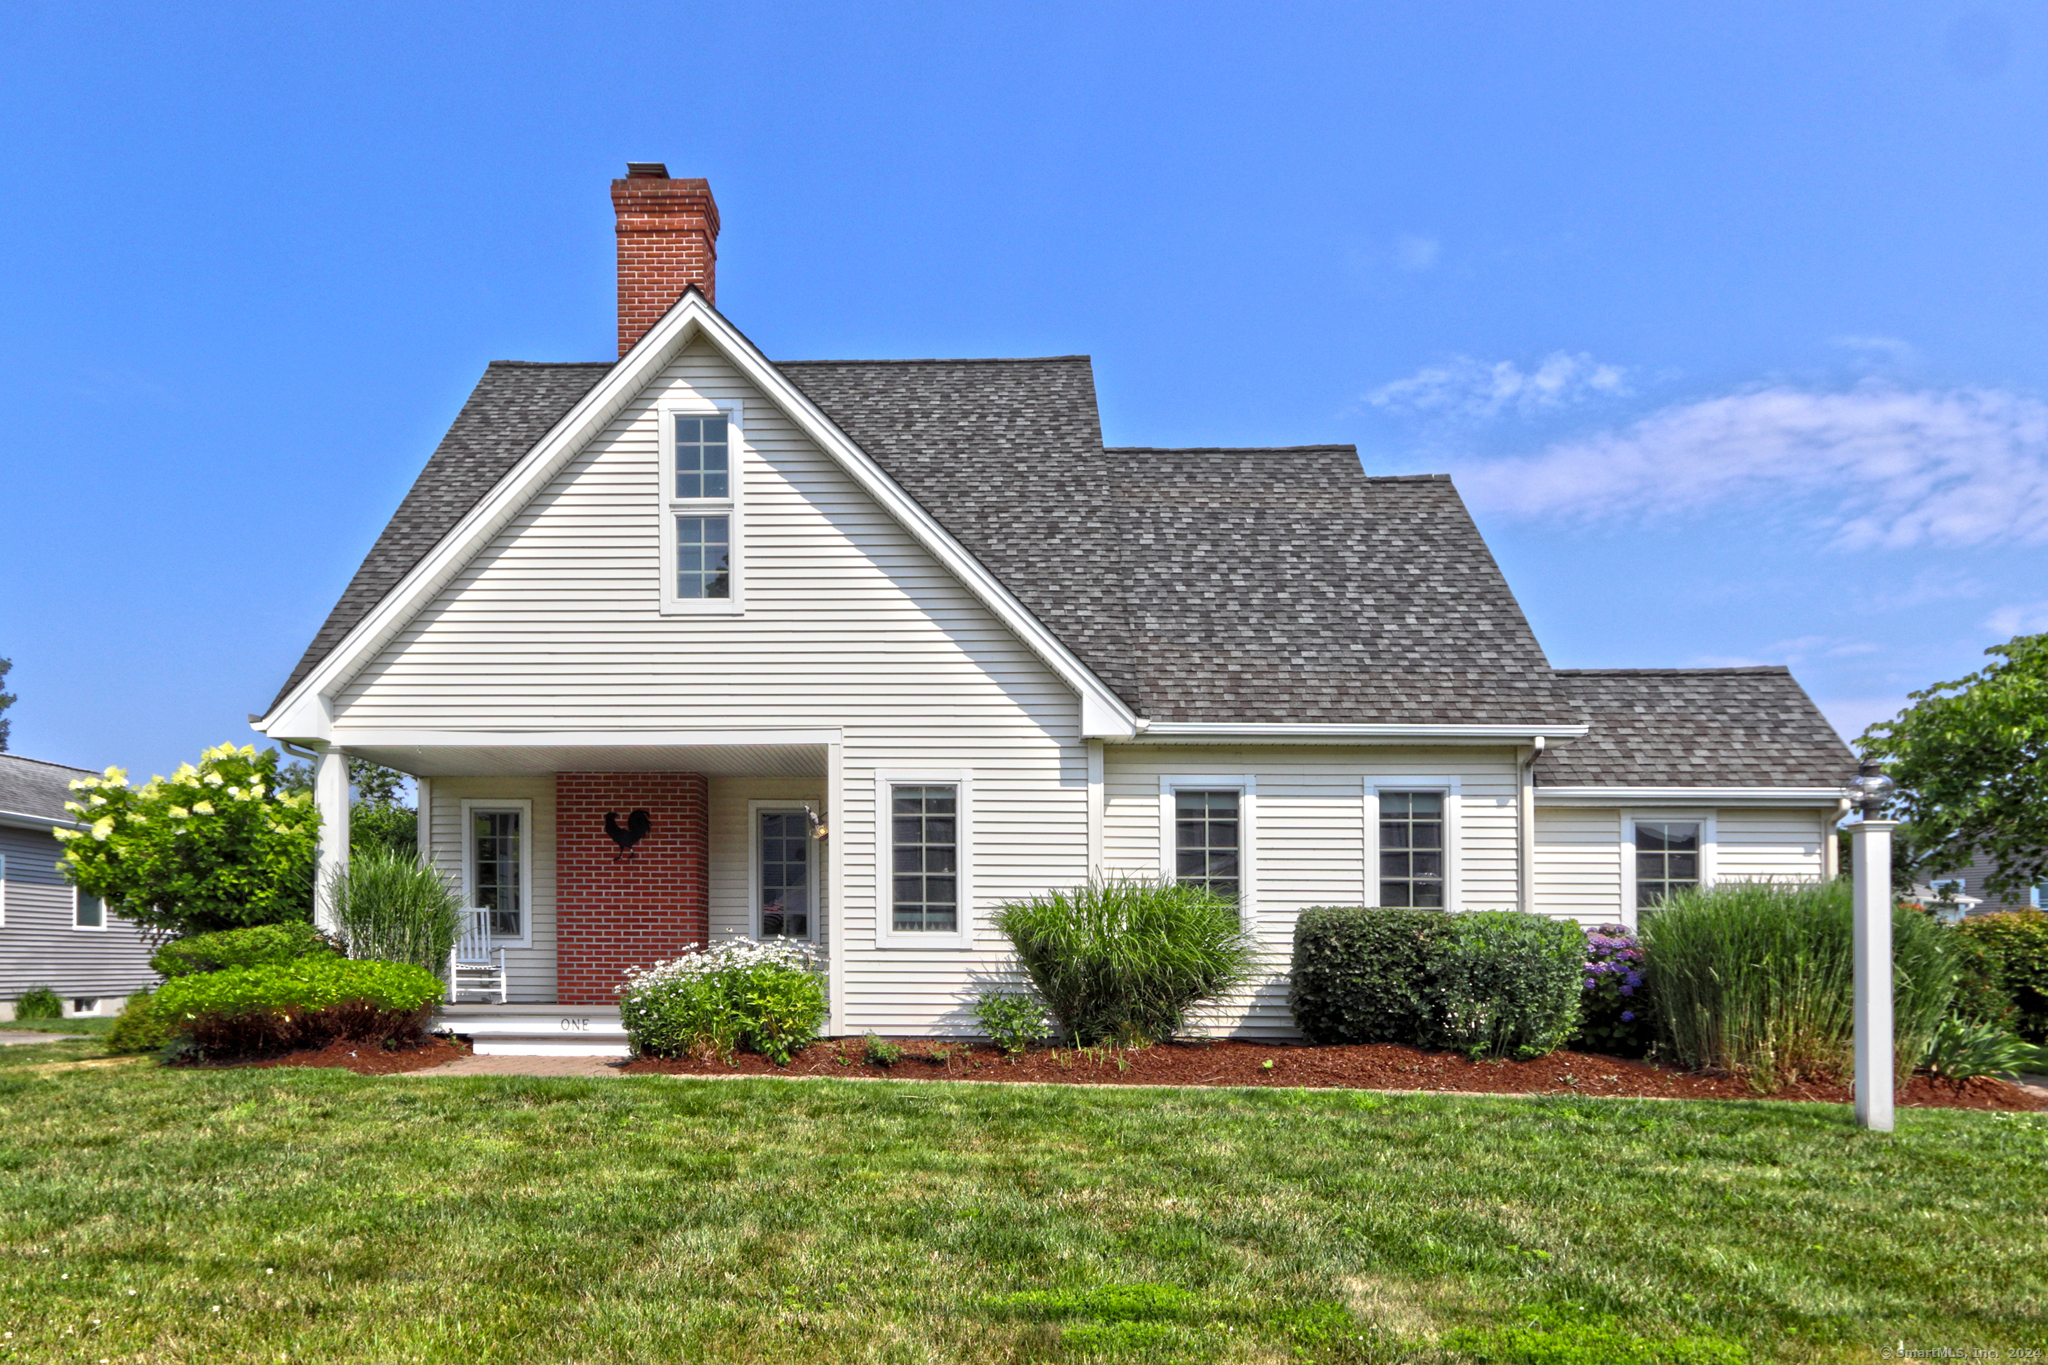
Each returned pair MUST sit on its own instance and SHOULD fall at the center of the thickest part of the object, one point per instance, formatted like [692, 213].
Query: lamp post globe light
[1870, 844]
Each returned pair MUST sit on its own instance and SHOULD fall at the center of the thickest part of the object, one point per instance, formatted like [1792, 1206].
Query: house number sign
[575, 1025]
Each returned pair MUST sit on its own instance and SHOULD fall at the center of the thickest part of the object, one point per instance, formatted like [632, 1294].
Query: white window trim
[1246, 785]
[887, 935]
[100, 928]
[524, 805]
[815, 860]
[731, 508]
[1709, 838]
[1453, 793]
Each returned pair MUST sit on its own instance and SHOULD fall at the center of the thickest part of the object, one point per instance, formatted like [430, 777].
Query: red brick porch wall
[616, 912]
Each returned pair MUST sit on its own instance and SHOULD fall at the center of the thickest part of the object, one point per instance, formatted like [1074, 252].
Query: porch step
[537, 1030]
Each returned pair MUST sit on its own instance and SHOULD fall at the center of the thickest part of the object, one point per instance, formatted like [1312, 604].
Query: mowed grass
[313, 1215]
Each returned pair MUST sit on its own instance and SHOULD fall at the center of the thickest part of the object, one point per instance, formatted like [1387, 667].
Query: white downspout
[1830, 847]
[1526, 798]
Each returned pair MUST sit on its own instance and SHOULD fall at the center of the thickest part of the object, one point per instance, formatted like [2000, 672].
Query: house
[50, 934]
[865, 648]
[1965, 889]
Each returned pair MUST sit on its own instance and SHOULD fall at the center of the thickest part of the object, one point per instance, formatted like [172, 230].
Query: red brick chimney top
[668, 241]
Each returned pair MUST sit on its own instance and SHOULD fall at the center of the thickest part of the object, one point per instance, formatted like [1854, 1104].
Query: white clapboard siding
[1578, 864]
[1768, 845]
[529, 971]
[849, 624]
[1309, 837]
[39, 942]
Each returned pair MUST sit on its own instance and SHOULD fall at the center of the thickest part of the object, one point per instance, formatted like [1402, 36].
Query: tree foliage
[7, 699]
[211, 847]
[1971, 761]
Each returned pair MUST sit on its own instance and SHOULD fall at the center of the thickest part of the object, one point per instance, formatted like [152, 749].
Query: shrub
[376, 825]
[217, 846]
[39, 1002]
[1012, 1021]
[305, 1003]
[1505, 983]
[1756, 978]
[264, 945]
[1981, 996]
[2018, 939]
[1361, 976]
[764, 997]
[881, 1051]
[1124, 960]
[394, 908]
[138, 1028]
[1962, 1049]
[1614, 1012]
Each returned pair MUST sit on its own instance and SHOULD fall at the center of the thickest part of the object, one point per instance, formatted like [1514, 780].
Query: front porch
[537, 1030]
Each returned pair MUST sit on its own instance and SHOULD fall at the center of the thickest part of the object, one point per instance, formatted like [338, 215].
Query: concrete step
[537, 1030]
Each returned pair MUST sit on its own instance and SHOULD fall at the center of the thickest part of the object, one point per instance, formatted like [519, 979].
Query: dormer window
[700, 533]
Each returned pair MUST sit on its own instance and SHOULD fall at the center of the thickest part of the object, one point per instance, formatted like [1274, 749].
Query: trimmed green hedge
[254, 947]
[307, 1003]
[1491, 982]
[2018, 941]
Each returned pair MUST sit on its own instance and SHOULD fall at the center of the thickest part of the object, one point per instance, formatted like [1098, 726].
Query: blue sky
[1727, 317]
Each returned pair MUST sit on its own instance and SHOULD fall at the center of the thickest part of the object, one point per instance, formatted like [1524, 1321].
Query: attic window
[700, 534]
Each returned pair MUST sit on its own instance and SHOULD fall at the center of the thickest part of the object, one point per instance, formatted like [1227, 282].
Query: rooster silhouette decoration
[626, 835]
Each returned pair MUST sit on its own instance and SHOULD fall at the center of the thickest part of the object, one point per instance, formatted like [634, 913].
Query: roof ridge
[44, 763]
[1225, 450]
[554, 364]
[1670, 672]
[938, 360]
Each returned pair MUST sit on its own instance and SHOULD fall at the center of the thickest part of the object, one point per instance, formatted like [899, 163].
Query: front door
[783, 891]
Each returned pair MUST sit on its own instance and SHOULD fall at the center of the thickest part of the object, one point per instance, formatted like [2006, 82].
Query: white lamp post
[1870, 844]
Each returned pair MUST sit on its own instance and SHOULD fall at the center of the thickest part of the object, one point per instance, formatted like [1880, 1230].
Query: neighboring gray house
[50, 935]
[1966, 886]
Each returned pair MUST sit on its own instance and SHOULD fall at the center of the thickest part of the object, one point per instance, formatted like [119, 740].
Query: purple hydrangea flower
[1628, 1016]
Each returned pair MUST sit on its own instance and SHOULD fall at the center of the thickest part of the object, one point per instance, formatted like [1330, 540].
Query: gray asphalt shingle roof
[31, 787]
[1696, 727]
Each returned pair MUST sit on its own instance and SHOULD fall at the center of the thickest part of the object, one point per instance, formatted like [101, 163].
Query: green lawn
[260, 1216]
[90, 1024]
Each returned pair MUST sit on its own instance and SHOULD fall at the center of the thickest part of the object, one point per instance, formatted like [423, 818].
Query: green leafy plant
[764, 997]
[392, 907]
[881, 1051]
[1125, 960]
[1012, 1020]
[1361, 975]
[1503, 983]
[304, 1003]
[137, 1028]
[211, 847]
[2017, 940]
[38, 1002]
[1971, 761]
[1961, 1049]
[1756, 979]
[262, 945]
[1980, 995]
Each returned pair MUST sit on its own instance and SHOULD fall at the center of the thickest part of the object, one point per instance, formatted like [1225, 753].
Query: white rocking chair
[473, 964]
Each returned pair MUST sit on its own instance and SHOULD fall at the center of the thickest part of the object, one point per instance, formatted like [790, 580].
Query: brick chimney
[668, 241]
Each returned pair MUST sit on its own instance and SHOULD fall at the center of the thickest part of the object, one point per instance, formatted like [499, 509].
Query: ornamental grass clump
[392, 907]
[758, 997]
[1124, 961]
[310, 1002]
[1756, 979]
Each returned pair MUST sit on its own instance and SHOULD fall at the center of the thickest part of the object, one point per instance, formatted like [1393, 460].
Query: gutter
[1207, 732]
[1525, 798]
[15, 819]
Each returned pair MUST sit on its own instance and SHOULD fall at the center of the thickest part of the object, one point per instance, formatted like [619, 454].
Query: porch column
[330, 798]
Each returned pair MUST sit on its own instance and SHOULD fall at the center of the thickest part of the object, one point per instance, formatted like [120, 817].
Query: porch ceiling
[532, 760]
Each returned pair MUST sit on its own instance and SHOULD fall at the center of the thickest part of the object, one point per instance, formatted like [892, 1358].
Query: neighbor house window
[1207, 840]
[1667, 859]
[783, 872]
[700, 544]
[87, 912]
[1412, 849]
[924, 839]
[497, 868]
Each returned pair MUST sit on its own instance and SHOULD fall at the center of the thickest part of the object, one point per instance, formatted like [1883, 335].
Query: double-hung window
[925, 887]
[87, 912]
[700, 532]
[1411, 841]
[1206, 836]
[1667, 859]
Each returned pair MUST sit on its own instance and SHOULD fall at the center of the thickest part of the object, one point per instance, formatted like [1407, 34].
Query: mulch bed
[1363, 1066]
[365, 1059]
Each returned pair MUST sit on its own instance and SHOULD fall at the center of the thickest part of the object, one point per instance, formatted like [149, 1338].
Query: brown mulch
[1361, 1066]
[365, 1059]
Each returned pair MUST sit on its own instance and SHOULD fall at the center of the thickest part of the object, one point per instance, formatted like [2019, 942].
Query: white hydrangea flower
[103, 827]
[202, 808]
[213, 779]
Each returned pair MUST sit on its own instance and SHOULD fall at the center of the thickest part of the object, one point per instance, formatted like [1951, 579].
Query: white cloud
[1879, 348]
[2029, 618]
[1875, 466]
[1417, 253]
[1792, 653]
[1473, 390]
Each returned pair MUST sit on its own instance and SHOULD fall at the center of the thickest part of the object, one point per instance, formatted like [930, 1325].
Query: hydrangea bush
[1614, 1015]
[762, 997]
[211, 847]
